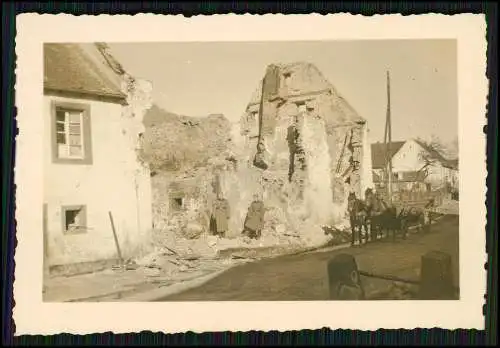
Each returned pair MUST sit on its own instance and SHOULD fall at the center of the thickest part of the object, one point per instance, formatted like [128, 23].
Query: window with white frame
[69, 133]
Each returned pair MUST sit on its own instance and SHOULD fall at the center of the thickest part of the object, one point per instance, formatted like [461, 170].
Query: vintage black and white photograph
[303, 170]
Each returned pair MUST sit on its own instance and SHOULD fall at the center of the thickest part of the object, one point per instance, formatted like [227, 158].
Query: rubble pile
[174, 142]
[448, 206]
[300, 151]
[175, 257]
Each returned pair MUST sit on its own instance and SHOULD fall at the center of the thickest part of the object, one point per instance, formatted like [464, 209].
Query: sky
[200, 78]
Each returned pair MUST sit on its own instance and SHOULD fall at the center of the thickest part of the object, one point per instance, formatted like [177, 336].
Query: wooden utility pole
[388, 141]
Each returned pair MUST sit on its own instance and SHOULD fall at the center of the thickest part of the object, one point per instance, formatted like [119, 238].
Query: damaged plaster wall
[301, 127]
[188, 156]
[328, 142]
[367, 178]
[114, 180]
[137, 172]
[139, 101]
[106, 185]
[319, 190]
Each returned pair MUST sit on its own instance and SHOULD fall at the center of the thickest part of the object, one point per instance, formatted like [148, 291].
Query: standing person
[427, 212]
[373, 211]
[220, 216]
[254, 221]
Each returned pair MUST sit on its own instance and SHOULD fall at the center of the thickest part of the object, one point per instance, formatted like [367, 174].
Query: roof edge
[92, 95]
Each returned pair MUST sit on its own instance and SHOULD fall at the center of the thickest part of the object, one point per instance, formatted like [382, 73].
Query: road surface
[303, 277]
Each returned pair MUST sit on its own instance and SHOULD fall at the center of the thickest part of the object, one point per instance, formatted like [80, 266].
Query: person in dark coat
[374, 211]
[220, 216]
[254, 221]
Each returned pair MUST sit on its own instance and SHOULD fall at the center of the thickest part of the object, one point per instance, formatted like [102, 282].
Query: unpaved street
[303, 277]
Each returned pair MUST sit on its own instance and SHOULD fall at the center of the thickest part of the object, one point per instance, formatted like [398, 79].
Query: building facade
[415, 167]
[93, 122]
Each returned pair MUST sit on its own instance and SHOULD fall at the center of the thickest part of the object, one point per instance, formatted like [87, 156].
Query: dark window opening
[286, 79]
[177, 203]
[74, 219]
[301, 106]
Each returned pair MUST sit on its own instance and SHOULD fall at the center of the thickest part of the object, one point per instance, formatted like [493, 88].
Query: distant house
[415, 167]
[93, 123]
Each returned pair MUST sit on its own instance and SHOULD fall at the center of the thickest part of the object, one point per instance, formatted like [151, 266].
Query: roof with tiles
[378, 153]
[72, 68]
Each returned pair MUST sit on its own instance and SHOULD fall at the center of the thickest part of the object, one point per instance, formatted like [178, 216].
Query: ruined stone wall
[366, 167]
[196, 191]
[139, 100]
[304, 182]
[313, 144]
[318, 190]
[298, 179]
[267, 116]
[238, 187]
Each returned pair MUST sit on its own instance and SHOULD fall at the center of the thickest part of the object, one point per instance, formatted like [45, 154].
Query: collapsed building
[301, 149]
[185, 154]
[305, 146]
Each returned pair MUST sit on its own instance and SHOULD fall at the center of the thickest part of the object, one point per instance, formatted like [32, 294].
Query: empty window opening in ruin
[286, 78]
[177, 203]
[74, 219]
[301, 107]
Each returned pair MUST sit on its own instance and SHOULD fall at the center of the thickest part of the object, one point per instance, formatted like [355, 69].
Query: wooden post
[343, 279]
[436, 279]
[120, 258]
[388, 141]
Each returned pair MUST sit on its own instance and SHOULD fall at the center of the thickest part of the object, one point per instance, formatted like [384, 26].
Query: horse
[395, 222]
[357, 217]
[375, 215]
[384, 219]
[415, 217]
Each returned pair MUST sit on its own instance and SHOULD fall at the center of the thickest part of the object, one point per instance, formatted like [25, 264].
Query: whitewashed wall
[108, 184]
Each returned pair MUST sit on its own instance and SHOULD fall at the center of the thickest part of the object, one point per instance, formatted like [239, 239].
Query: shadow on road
[304, 277]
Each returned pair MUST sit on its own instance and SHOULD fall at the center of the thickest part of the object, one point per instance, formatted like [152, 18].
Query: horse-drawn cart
[373, 218]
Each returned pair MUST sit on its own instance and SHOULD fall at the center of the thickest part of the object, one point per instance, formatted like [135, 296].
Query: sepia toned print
[301, 192]
[300, 172]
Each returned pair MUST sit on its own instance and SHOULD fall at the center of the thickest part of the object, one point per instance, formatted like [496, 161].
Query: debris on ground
[448, 207]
